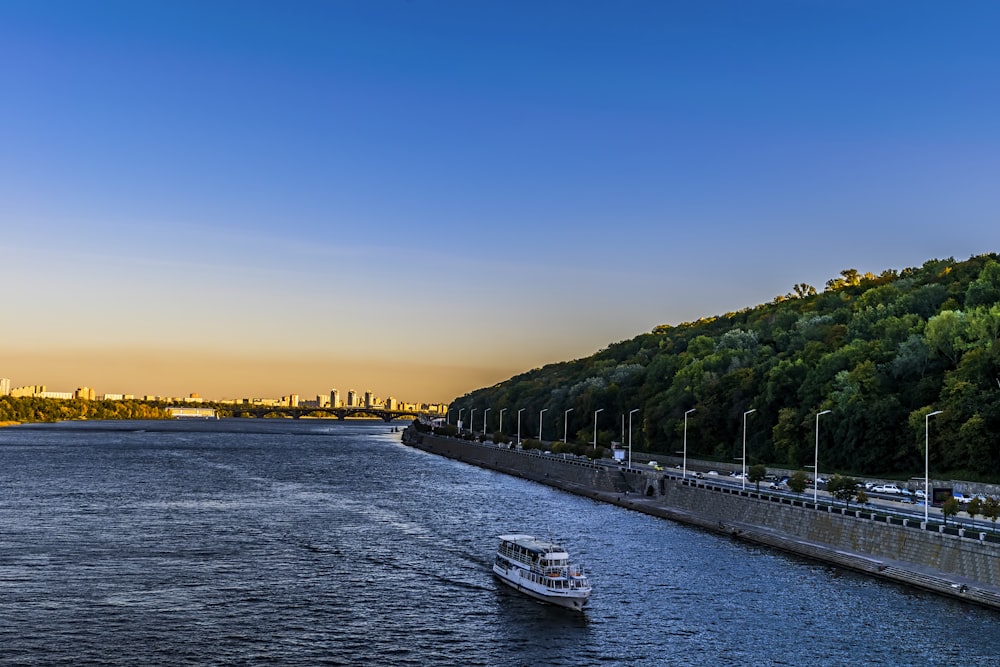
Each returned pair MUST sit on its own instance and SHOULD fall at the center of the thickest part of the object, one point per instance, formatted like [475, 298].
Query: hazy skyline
[422, 198]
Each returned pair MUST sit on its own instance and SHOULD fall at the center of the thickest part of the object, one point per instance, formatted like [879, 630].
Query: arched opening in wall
[650, 490]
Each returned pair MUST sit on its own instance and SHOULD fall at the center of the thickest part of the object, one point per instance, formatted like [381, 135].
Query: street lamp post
[459, 424]
[472, 424]
[519, 426]
[566, 424]
[684, 470]
[927, 461]
[744, 480]
[630, 436]
[543, 411]
[485, 412]
[502, 410]
[595, 426]
[816, 460]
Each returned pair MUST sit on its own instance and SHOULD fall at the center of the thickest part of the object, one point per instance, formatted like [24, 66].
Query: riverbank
[945, 560]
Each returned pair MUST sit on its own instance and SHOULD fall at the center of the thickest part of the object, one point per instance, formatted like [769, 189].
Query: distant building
[391, 404]
[28, 391]
[4, 386]
[86, 393]
[113, 397]
[192, 413]
[61, 395]
[334, 398]
[352, 399]
[322, 401]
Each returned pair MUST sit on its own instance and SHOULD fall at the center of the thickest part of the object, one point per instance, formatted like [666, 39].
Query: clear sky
[420, 198]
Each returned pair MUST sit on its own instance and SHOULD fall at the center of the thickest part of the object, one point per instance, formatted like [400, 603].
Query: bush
[448, 430]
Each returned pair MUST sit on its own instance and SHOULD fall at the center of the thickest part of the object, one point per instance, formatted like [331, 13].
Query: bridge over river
[340, 413]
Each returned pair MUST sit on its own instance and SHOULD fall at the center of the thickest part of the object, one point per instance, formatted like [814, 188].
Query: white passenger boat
[542, 570]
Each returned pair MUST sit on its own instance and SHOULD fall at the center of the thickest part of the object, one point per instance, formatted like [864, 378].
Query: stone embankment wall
[562, 471]
[954, 562]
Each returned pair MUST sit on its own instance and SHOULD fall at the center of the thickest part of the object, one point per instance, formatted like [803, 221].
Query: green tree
[798, 481]
[991, 510]
[843, 488]
[974, 508]
[949, 509]
[946, 333]
[756, 474]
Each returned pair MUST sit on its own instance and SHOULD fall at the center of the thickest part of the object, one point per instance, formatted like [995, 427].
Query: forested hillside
[879, 352]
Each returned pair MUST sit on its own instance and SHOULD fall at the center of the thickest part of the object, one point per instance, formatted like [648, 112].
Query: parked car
[957, 495]
[886, 488]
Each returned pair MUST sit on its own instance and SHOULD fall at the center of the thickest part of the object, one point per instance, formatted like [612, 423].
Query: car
[963, 499]
[886, 488]
[711, 472]
[919, 493]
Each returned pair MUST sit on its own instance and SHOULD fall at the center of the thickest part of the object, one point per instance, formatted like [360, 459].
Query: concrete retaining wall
[529, 464]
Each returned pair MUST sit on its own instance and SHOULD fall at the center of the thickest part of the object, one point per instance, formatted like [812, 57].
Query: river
[252, 542]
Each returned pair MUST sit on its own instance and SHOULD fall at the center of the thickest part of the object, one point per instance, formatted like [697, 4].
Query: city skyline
[333, 398]
[426, 198]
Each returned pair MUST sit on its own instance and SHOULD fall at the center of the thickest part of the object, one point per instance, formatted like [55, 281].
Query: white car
[886, 488]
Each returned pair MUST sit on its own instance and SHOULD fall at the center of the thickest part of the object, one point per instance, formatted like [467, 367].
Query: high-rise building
[4, 386]
[28, 390]
[334, 398]
[86, 393]
[369, 399]
[352, 399]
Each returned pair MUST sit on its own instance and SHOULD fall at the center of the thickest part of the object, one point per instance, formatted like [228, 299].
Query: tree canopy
[880, 352]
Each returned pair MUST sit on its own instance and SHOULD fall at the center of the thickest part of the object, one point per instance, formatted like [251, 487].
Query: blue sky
[421, 198]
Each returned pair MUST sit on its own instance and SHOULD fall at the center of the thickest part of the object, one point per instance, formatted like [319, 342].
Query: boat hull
[574, 600]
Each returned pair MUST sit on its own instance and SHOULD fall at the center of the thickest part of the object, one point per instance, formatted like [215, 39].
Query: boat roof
[533, 544]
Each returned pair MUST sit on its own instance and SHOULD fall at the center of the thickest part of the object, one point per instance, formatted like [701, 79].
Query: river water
[252, 542]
